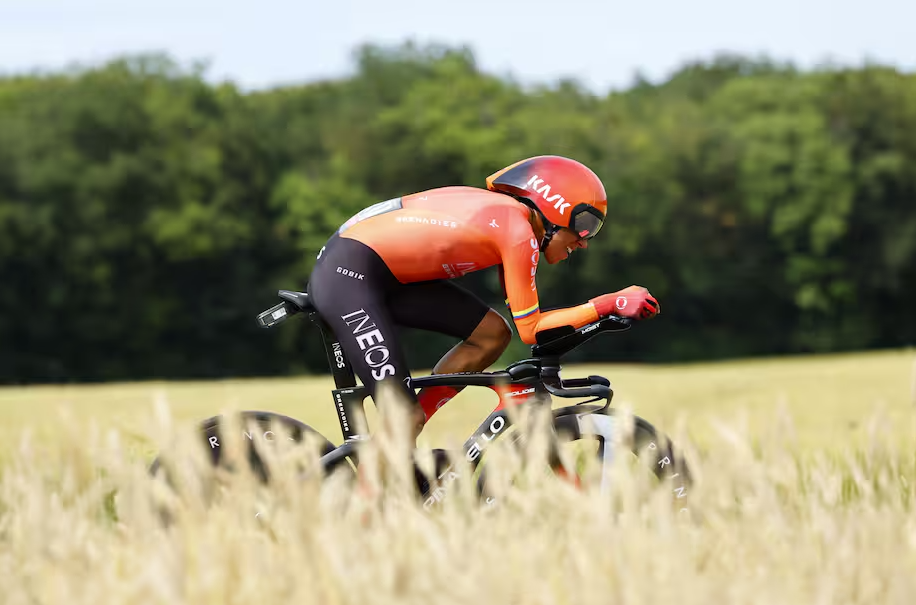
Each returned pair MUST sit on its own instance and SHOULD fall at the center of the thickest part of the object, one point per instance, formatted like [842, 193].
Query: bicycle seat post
[339, 365]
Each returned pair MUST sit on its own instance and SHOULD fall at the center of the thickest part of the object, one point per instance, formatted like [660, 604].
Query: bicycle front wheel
[590, 438]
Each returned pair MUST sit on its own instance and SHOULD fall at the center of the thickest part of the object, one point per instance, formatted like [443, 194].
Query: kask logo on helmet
[560, 204]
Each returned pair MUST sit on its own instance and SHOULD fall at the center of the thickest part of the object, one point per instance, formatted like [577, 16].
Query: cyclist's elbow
[527, 334]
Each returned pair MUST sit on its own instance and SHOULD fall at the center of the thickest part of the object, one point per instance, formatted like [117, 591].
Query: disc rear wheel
[256, 430]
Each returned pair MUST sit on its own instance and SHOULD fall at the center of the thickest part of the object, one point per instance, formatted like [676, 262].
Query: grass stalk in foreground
[767, 525]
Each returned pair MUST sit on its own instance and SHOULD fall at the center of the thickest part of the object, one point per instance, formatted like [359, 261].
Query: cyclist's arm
[519, 265]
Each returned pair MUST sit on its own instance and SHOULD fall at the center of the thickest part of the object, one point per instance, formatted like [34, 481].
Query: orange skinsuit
[448, 232]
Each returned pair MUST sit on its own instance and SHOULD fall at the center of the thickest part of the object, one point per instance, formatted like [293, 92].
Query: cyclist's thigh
[437, 306]
[348, 287]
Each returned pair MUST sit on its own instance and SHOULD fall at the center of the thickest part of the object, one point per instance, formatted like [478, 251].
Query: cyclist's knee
[493, 333]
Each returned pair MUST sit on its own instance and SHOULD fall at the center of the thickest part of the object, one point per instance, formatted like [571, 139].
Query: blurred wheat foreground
[81, 522]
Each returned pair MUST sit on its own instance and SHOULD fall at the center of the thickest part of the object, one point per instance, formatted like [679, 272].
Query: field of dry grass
[805, 493]
[829, 399]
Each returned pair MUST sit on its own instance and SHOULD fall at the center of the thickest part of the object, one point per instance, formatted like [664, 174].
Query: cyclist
[392, 264]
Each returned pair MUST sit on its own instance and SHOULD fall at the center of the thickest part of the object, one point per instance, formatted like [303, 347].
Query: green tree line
[146, 215]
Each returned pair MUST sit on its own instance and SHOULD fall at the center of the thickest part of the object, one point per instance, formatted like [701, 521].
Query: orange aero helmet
[565, 192]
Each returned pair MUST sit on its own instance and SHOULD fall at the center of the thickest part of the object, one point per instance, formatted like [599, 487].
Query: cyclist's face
[562, 245]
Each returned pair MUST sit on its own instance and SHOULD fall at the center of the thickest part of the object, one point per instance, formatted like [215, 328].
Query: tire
[268, 423]
[646, 444]
[596, 424]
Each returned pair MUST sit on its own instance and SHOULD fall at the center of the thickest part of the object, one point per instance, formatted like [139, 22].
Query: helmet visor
[586, 221]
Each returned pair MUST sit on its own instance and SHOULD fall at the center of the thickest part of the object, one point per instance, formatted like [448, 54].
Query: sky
[601, 43]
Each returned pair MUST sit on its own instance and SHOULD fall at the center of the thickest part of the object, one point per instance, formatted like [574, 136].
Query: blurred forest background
[147, 216]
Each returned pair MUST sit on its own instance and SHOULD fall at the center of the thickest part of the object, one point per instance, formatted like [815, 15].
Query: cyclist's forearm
[576, 317]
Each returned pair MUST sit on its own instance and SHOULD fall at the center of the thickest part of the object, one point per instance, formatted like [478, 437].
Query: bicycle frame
[526, 381]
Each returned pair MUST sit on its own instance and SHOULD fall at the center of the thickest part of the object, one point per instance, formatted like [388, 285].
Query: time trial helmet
[565, 192]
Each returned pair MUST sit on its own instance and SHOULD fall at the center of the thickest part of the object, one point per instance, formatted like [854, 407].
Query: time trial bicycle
[529, 382]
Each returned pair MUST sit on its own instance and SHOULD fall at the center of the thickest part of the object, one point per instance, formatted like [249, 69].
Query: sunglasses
[586, 221]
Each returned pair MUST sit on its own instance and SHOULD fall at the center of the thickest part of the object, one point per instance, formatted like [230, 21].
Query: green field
[832, 401]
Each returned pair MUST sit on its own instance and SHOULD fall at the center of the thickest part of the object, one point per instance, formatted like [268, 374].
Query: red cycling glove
[634, 302]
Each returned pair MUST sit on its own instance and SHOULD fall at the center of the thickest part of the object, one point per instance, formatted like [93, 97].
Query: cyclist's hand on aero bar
[634, 302]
